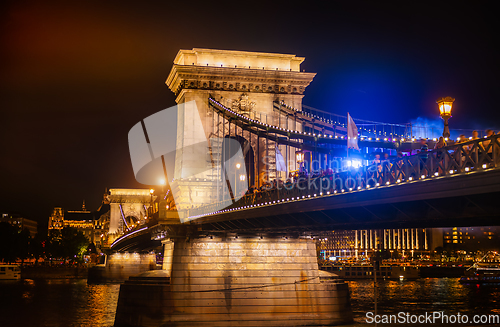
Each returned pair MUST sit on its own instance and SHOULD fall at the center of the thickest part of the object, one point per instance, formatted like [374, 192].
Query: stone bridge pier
[236, 281]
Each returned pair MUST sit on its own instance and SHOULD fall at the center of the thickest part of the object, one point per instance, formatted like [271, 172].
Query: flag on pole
[352, 133]
[280, 162]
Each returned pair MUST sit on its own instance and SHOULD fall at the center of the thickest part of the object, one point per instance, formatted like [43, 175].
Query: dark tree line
[16, 244]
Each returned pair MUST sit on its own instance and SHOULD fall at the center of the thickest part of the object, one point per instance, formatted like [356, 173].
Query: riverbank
[53, 272]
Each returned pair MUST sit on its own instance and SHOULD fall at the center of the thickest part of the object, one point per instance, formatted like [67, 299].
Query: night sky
[76, 77]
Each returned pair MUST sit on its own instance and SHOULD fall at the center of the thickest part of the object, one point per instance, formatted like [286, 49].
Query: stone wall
[244, 281]
[120, 266]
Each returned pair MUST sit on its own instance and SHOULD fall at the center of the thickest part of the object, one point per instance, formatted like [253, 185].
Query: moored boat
[10, 272]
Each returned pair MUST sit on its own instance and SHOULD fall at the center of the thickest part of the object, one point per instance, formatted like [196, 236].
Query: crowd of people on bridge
[385, 169]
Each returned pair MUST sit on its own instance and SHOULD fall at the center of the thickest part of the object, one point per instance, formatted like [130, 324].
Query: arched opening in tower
[239, 174]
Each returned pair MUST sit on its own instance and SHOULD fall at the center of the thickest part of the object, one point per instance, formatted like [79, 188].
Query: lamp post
[299, 156]
[242, 178]
[445, 105]
[162, 183]
[238, 165]
[151, 191]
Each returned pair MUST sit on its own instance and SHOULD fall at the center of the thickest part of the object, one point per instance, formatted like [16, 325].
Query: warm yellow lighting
[242, 177]
[151, 191]
[238, 166]
[445, 105]
[299, 155]
[162, 181]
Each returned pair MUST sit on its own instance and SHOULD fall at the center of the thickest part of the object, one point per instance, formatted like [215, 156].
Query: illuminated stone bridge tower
[228, 279]
[248, 83]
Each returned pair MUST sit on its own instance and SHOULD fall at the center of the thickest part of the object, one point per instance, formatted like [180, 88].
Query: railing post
[495, 150]
[476, 154]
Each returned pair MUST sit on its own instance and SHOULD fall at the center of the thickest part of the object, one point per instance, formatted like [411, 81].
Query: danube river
[72, 302]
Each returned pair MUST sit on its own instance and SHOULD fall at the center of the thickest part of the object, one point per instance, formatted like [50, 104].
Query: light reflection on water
[71, 302]
[423, 295]
[54, 303]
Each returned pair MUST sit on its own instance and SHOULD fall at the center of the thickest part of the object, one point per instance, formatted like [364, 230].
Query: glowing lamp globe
[445, 105]
[299, 155]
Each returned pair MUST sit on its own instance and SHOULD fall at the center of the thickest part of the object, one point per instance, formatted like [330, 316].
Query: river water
[72, 302]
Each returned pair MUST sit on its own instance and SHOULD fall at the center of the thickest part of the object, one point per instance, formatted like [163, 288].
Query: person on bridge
[475, 136]
[424, 154]
[398, 162]
[485, 144]
[441, 143]
[378, 165]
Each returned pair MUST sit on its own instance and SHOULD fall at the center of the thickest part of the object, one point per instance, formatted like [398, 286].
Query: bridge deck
[443, 201]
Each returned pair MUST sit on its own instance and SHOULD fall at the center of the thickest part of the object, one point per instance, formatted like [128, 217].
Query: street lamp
[162, 183]
[243, 177]
[151, 191]
[238, 165]
[299, 156]
[445, 105]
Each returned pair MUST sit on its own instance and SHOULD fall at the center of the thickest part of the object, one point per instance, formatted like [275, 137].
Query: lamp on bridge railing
[445, 105]
[243, 178]
[299, 156]
[151, 191]
[235, 191]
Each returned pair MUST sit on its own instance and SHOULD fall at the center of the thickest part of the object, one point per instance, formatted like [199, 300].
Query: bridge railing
[459, 158]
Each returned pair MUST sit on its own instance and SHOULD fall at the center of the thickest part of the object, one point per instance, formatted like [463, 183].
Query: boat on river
[10, 272]
[482, 274]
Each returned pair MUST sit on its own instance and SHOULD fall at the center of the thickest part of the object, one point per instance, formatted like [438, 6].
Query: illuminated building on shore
[355, 243]
[485, 238]
[79, 219]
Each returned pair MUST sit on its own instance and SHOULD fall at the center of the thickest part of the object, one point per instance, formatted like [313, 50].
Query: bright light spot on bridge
[436, 174]
[484, 166]
[354, 163]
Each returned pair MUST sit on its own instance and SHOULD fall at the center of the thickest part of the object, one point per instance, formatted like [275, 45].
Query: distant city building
[22, 223]
[56, 220]
[472, 239]
[355, 243]
[79, 219]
